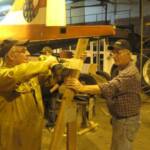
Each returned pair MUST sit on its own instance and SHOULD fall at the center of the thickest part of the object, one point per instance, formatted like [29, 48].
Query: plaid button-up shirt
[123, 93]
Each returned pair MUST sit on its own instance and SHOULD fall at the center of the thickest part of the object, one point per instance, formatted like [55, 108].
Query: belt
[125, 117]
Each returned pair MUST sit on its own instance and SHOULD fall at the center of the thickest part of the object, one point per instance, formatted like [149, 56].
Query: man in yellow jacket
[21, 108]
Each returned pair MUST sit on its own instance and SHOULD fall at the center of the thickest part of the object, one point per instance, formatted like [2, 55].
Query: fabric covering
[21, 108]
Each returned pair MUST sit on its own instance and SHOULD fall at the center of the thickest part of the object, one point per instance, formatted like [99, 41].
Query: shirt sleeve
[118, 86]
[111, 88]
[10, 77]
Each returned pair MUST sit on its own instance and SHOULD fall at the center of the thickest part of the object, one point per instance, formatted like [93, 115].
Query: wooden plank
[71, 141]
[92, 125]
[41, 32]
[91, 108]
[72, 126]
[67, 113]
[61, 121]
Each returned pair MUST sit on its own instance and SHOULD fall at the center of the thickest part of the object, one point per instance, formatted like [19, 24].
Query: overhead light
[56, 13]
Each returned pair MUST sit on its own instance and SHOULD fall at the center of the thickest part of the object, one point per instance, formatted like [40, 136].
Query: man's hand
[74, 84]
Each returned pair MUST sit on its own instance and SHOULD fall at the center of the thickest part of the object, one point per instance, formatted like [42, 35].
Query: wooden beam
[41, 32]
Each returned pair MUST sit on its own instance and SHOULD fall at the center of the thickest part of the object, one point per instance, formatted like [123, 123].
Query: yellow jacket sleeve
[11, 77]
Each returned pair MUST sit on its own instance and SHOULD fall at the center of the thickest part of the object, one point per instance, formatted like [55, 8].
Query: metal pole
[98, 54]
[142, 34]
[106, 9]
[70, 16]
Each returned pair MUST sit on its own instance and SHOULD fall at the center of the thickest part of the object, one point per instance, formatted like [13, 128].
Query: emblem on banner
[30, 9]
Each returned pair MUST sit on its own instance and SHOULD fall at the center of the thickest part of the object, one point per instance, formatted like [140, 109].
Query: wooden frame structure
[67, 114]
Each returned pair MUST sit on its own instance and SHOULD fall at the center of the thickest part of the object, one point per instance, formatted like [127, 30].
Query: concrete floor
[100, 138]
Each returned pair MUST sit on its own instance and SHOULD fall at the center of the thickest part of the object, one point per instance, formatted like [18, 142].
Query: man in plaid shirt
[122, 96]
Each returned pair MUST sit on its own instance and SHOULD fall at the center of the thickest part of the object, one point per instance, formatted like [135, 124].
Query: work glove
[51, 61]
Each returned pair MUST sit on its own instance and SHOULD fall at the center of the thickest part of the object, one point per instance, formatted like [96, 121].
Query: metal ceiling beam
[96, 5]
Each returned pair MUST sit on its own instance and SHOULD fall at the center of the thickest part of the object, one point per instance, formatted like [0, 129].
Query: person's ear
[10, 56]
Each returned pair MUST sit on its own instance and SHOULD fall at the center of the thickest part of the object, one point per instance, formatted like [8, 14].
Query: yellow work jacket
[21, 108]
